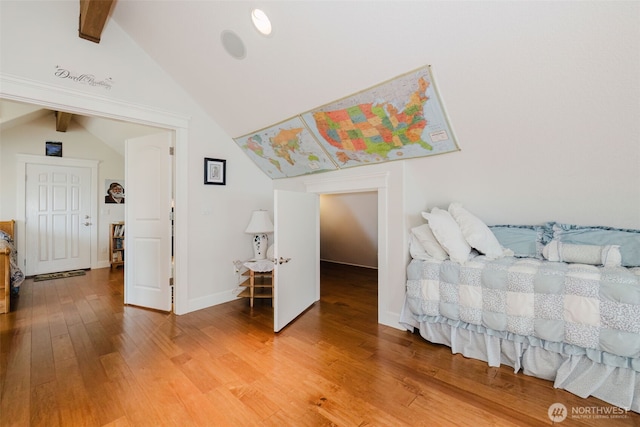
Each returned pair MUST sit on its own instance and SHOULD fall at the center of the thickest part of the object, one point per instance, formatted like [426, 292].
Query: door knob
[86, 224]
[283, 260]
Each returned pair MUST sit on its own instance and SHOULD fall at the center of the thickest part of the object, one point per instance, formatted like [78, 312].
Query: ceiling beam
[93, 17]
[62, 121]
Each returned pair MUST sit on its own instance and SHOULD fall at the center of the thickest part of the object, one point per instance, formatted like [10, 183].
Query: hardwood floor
[71, 354]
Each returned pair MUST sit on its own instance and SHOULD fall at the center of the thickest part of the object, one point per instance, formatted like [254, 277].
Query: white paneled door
[297, 252]
[148, 176]
[58, 222]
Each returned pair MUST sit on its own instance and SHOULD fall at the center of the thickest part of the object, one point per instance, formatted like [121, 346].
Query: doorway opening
[349, 245]
[81, 104]
[380, 183]
[349, 228]
[297, 233]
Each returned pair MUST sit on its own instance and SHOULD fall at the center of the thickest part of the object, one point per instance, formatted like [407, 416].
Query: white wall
[349, 228]
[545, 104]
[77, 143]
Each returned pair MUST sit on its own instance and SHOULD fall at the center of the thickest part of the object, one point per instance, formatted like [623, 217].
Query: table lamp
[259, 226]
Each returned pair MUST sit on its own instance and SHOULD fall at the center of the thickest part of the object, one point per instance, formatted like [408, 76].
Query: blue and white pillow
[526, 241]
[627, 239]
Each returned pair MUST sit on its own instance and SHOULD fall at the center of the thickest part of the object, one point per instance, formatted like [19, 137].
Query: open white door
[148, 222]
[297, 252]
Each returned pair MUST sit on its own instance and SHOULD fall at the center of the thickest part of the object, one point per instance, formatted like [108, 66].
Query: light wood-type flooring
[73, 355]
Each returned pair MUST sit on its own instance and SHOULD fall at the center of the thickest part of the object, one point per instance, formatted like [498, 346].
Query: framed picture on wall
[53, 149]
[215, 171]
[114, 191]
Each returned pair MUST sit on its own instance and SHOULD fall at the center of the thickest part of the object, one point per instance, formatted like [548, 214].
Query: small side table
[261, 275]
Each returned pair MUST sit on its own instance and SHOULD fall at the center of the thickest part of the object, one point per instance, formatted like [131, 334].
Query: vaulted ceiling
[241, 95]
[184, 38]
[319, 51]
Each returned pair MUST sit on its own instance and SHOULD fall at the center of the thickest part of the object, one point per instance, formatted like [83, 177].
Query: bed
[574, 323]
[11, 277]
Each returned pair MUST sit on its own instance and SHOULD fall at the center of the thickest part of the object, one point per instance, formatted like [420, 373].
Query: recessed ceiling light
[261, 21]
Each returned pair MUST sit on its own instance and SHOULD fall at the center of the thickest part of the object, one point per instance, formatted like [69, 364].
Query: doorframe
[21, 197]
[386, 184]
[56, 98]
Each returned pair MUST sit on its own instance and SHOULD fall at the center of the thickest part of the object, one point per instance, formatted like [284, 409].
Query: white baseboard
[392, 320]
[347, 263]
[101, 264]
[210, 300]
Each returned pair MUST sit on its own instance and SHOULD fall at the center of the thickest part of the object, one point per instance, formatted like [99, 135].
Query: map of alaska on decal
[285, 150]
[399, 119]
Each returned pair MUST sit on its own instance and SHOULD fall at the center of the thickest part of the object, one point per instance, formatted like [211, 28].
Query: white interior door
[147, 221]
[297, 252]
[58, 218]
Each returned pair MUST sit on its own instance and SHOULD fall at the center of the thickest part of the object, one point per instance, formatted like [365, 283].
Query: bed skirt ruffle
[570, 368]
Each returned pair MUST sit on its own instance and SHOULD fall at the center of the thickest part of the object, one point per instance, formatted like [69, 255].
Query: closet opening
[349, 248]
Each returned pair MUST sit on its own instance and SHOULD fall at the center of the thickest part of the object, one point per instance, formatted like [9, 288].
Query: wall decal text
[87, 79]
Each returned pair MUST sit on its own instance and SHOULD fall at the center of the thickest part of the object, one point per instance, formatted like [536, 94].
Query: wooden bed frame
[5, 285]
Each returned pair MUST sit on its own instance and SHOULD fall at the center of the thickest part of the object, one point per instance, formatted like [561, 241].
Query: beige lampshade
[260, 223]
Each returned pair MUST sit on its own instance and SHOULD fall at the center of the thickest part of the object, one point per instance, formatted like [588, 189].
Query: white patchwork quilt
[583, 305]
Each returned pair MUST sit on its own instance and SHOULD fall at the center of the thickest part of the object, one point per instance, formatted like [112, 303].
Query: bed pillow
[415, 248]
[448, 234]
[4, 236]
[476, 232]
[607, 255]
[628, 240]
[424, 236]
[526, 241]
